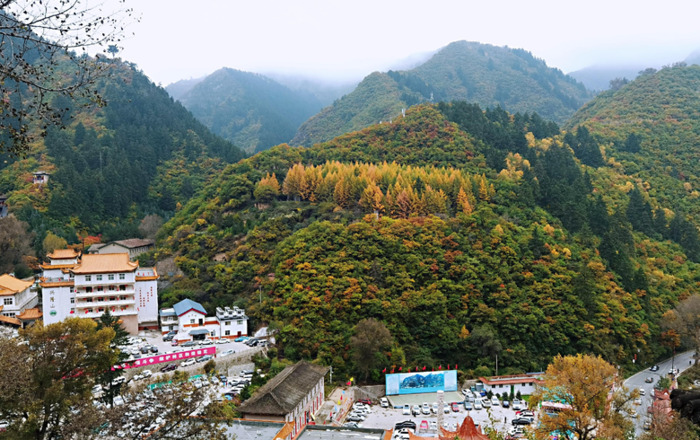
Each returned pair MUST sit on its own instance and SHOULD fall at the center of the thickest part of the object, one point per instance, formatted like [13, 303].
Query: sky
[346, 40]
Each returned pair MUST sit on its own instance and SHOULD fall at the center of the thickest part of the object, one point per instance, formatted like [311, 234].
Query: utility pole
[331, 379]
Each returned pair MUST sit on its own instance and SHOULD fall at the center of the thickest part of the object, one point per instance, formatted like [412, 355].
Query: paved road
[680, 361]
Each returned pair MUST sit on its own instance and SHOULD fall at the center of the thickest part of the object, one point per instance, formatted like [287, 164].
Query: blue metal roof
[199, 331]
[186, 305]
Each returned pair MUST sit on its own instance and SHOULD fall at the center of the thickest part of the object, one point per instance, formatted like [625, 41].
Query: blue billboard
[421, 382]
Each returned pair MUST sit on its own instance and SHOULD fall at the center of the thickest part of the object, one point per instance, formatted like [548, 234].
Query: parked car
[505, 404]
[468, 405]
[478, 404]
[415, 410]
[486, 402]
[205, 358]
[406, 424]
[654, 368]
[222, 341]
[433, 425]
[406, 410]
[384, 402]
[174, 343]
[188, 344]
[365, 401]
[642, 392]
[169, 367]
[517, 405]
[522, 421]
[187, 362]
[170, 335]
[455, 406]
[146, 373]
[649, 379]
[425, 409]
[495, 401]
[435, 408]
[241, 339]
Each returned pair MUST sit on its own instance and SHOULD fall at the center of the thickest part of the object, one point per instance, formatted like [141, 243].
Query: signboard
[167, 357]
[421, 382]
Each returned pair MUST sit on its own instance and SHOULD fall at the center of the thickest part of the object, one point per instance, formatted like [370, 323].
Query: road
[681, 361]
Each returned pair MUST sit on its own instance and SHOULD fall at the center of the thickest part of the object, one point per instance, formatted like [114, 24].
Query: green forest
[140, 154]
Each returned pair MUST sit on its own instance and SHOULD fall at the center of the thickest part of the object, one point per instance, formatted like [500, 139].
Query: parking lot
[146, 339]
[496, 417]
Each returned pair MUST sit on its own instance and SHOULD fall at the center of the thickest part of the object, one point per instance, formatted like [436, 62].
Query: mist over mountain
[488, 75]
[179, 88]
[598, 77]
[250, 110]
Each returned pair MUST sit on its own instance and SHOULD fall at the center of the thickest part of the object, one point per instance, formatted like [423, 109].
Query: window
[100, 288]
[88, 300]
[88, 289]
[122, 297]
[99, 277]
[8, 301]
[72, 300]
[240, 322]
[72, 290]
[101, 309]
[88, 310]
[111, 288]
[110, 277]
[227, 333]
[88, 277]
[122, 287]
[191, 321]
[100, 299]
[72, 310]
[112, 298]
[122, 276]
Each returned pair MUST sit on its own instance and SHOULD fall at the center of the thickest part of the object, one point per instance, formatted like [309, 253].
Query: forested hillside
[467, 233]
[250, 110]
[650, 131]
[140, 154]
[488, 75]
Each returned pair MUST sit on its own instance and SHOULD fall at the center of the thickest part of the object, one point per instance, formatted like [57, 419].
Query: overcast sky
[178, 39]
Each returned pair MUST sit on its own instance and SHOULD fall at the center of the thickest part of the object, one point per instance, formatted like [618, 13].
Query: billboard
[167, 357]
[421, 382]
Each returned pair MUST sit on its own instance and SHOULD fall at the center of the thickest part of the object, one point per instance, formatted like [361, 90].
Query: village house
[523, 383]
[189, 319]
[133, 246]
[18, 303]
[40, 178]
[294, 395]
[86, 286]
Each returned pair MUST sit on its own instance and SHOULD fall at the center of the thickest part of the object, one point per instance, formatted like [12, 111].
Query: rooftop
[281, 394]
[512, 379]
[130, 243]
[62, 254]
[186, 305]
[107, 263]
[10, 285]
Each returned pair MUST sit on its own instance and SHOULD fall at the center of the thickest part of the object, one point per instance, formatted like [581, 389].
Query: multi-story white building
[191, 322]
[18, 300]
[86, 286]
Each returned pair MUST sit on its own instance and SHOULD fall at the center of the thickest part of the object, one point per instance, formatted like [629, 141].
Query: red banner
[168, 357]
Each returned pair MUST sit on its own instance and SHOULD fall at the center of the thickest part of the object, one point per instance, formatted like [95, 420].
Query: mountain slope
[142, 153]
[455, 227]
[488, 75]
[661, 110]
[250, 110]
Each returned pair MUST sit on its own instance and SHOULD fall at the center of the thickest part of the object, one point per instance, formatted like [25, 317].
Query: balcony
[82, 293]
[80, 313]
[106, 303]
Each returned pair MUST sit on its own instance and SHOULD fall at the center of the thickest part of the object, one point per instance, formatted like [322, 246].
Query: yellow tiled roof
[105, 263]
[30, 314]
[61, 254]
[10, 285]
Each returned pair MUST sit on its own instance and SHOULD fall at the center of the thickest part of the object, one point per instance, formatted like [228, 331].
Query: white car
[406, 410]
[478, 404]
[495, 401]
[425, 409]
[222, 341]
[118, 400]
[435, 408]
[147, 373]
[188, 362]
[516, 405]
[384, 402]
